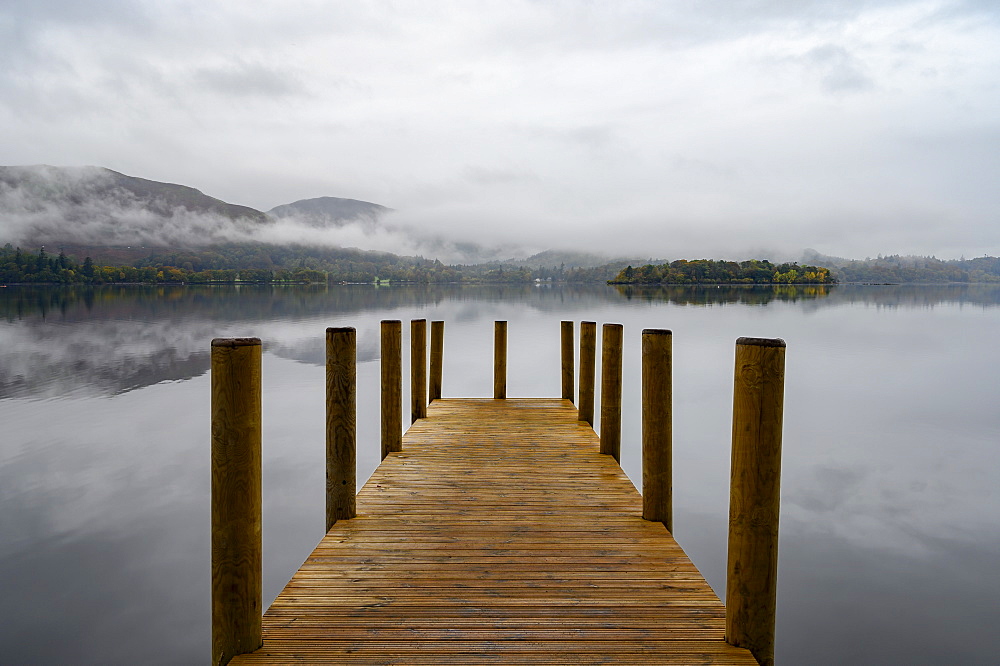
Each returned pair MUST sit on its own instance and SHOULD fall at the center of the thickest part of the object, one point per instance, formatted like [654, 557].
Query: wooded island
[708, 271]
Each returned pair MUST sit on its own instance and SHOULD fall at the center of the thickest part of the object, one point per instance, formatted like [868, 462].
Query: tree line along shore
[283, 265]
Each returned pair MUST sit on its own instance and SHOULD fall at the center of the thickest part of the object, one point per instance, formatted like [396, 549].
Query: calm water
[889, 538]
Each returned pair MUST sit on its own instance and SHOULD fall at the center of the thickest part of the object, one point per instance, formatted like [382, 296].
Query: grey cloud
[581, 109]
[41, 12]
[590, 137]
[986, 10]
[245, 79]
[840, 71]
[489, 176]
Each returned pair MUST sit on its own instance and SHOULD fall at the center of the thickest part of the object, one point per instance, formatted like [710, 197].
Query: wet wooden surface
[498, 534]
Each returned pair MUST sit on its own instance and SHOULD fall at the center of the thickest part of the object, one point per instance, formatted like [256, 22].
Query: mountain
[353, 223]
[568, 259]
[324, 212]
[92, 205]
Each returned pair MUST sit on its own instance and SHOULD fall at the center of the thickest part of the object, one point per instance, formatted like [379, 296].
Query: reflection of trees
[722, 294]
[257, 303]
[264, 303]
[985, 295]
[111, 339]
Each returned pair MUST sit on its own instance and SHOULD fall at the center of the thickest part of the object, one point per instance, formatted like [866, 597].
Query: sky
[718, 129]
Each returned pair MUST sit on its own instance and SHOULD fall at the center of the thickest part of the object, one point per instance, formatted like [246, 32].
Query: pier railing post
[236, 498]
[588, 370]
[657, 428]
[437, 358]
[751, 579]
[500, 360]
[611, 390]
[418, 369]
[341, 424]
[566, 343]
[392, 386]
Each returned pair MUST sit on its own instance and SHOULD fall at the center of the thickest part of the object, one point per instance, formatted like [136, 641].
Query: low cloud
[44, 205]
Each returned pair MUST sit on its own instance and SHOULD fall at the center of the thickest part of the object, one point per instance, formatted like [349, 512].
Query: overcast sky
[718, 128]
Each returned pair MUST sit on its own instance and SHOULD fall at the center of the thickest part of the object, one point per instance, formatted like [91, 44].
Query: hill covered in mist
[120, 220]
[92, 205]
[100, 212]
[325, 212]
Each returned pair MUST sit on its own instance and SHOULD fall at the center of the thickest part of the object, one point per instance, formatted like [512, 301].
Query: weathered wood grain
[437, 359]
[499, 534]
[657, 427]
[566, 356]
[341, 424]
[500, 360]
[392, 386]
[588, 370]
[752, 573]
[418, 369]
[236, 497]
[611, 390]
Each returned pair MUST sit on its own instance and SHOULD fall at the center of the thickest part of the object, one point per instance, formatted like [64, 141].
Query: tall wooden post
[500, 360]
[236, 498]
[437, 358]
[566, 340]
[611, 390]
[657, 429]
[418, 369]
[392, 386]
[588, 370]
[751, 580]
[341, 419]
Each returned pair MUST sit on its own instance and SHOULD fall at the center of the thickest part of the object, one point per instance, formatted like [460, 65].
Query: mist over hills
[331, 211]
[96, 206]
[96, 209]
[118, 219]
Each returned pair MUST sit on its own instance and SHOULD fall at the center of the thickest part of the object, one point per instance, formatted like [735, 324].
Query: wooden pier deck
[498, 535]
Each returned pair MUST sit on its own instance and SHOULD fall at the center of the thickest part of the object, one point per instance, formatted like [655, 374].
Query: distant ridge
[76, 188]
[569, 259]
[91, 206]
[330, 211]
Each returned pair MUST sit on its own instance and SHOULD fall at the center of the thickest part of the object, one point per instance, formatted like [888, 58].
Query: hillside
[94, 206]
[330, 211]
[97, 212]
[895, 269]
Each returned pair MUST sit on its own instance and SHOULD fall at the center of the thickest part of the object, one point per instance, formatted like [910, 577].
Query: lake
[890, 536]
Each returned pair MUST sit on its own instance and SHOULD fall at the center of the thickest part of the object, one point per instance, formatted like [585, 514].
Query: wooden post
[236, 498]
[437, 358]
[751, 580]
[341, 430]
[418, 369]
[392, 386]
[500, 360]
[588, 370]
[611, 390]
[566, 340]
[657, 430]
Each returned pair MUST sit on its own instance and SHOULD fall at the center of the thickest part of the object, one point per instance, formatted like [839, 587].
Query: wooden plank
[499, 534]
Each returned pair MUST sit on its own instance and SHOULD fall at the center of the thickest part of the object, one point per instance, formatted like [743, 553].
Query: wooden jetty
[495, 531]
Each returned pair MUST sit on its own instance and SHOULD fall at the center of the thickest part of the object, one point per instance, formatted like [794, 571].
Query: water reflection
[891, 296]
[108, 340]
[889, 531]
[114, 339]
